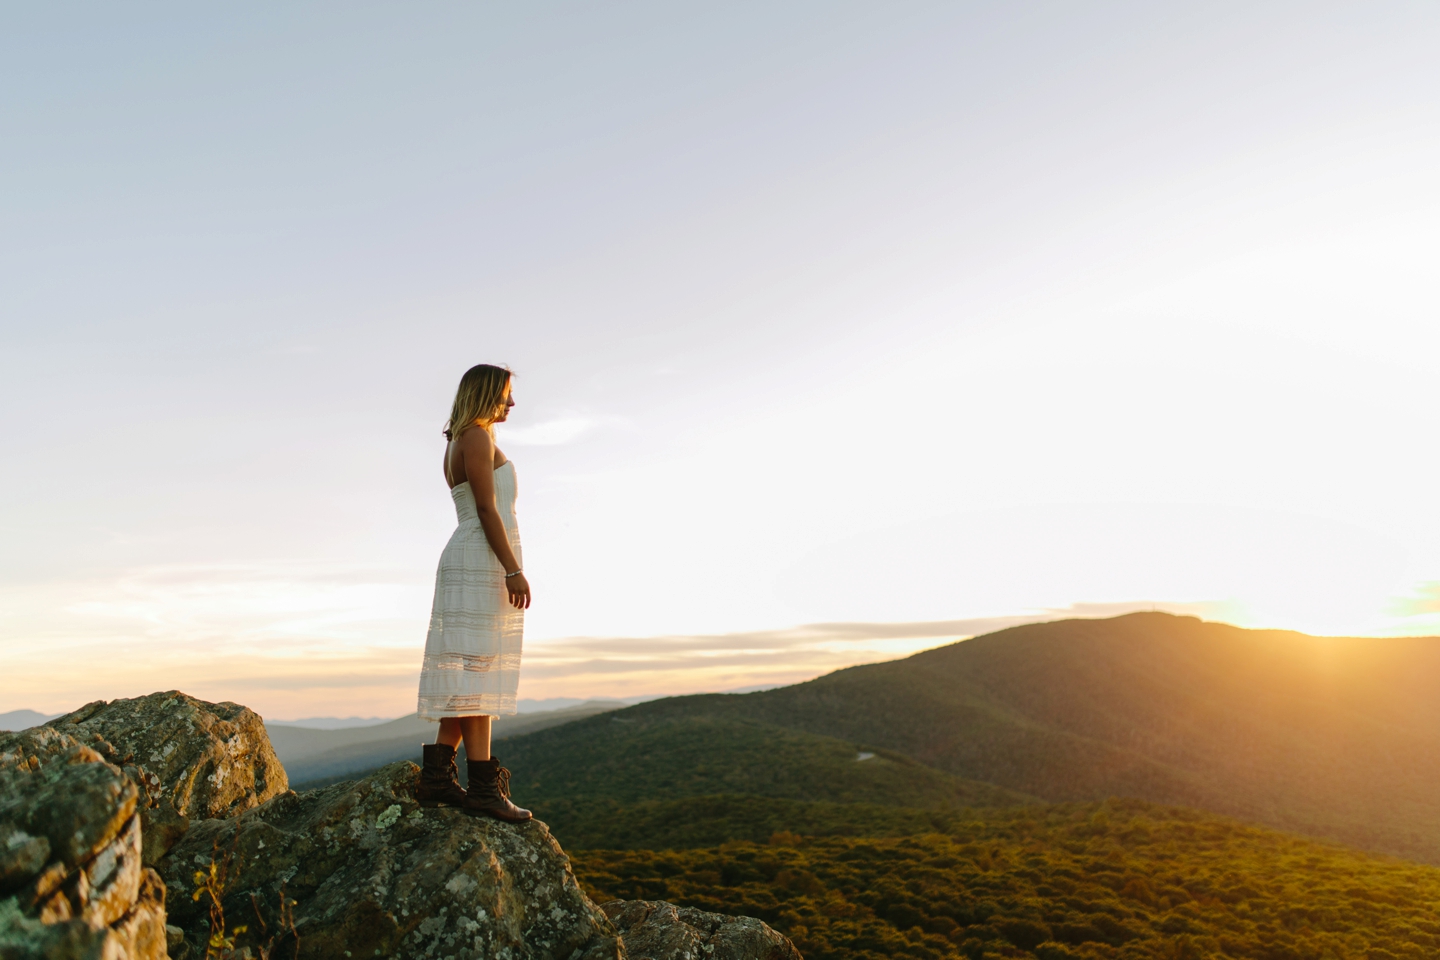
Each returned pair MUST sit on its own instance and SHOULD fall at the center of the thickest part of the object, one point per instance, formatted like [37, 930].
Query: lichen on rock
[374, 875]
[193, 759]
[71, 878]
[655, 930]
[90, 802]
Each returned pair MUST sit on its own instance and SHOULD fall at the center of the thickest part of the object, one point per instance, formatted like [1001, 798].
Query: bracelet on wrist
[515, 574]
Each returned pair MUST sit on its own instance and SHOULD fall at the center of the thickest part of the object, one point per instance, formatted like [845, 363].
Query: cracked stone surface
[373, 874]
[194, 760]
[655, 930]
[90, 802]
[72, 883]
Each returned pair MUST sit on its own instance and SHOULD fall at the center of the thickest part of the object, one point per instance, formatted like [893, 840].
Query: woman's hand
[519, 589]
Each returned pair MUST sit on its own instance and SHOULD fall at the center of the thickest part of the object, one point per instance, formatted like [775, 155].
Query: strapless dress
[472, 651]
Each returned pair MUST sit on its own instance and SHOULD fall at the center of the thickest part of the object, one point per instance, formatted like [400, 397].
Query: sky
[840, 330]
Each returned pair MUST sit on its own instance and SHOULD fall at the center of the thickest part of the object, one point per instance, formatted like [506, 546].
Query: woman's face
[505, 410]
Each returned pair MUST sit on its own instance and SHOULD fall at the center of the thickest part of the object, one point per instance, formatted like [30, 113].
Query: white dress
[472, 653]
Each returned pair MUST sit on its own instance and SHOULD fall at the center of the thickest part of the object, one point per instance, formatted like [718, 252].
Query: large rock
[71, 879]
[373, 874]
[194, 760]
[655, 930]
[356, 870]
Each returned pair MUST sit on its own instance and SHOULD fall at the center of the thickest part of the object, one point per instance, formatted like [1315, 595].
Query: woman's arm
[478, 452]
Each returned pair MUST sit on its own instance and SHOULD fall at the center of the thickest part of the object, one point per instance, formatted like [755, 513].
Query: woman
[472, 653]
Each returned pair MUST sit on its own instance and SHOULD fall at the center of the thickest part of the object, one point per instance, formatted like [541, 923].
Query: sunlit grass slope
[1331, 737]
[1123, 879]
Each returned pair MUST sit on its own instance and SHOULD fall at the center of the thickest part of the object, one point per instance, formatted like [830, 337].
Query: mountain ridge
[1331, 737]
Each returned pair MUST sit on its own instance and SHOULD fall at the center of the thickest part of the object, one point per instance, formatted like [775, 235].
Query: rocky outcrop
[91, 801]
[71, 879]
[655, 930]
[373, 874]
[193, 760]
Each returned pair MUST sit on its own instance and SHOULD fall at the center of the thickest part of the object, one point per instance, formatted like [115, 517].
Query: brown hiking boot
[489, 793]
[439, 783]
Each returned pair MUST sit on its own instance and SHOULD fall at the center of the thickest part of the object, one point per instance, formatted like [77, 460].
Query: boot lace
[502, 782]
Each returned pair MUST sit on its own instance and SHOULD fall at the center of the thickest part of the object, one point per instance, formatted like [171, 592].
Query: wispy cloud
[283, 602]
[273, 635]
[294, 639]
[791, 638]
[548, 433]
[692, 663]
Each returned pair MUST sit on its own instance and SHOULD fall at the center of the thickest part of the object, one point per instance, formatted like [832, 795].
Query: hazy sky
[822, 313]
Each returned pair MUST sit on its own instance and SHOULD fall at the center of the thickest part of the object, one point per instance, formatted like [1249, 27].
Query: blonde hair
[479, 400]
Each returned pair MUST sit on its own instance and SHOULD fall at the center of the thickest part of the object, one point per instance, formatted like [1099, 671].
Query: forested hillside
[1030, 794]
[1331, 737]
[1108, 881]
[638, 757]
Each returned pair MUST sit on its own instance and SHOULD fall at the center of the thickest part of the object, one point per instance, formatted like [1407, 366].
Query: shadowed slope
[663, 758]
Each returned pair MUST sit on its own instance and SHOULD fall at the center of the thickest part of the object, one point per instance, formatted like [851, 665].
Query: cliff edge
[106, 810]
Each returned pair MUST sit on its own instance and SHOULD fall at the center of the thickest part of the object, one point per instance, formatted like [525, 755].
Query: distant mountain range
[315, 757]
[1337, 738]
[330, 723]
[24, 719]
[526, 706]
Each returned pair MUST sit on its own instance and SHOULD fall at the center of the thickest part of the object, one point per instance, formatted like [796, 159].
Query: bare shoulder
[476, 440]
